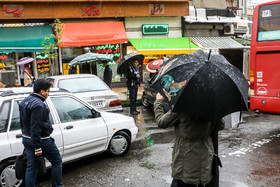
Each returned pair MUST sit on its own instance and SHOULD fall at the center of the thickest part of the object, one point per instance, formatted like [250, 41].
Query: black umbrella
[126, 61]
[208, 88]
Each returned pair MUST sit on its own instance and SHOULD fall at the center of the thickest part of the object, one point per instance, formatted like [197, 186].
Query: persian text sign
[90, 10]
[13, 10]
[155, 29]
[43, 65]
[156, 9]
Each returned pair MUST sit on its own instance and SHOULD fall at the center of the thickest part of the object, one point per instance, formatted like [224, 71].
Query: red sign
[15, 10]
[43, 61]
[91, 10]
[155, 9]
[4, 57]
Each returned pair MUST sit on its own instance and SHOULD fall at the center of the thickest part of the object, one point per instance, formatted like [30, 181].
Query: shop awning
[162, 46]
[217, 43]
[93, 33]
[24, 39]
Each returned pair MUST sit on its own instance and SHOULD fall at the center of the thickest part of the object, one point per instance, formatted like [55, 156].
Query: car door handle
[69, 127]
[19, 136]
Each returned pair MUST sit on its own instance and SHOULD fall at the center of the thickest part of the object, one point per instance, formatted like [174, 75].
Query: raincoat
[193, 150]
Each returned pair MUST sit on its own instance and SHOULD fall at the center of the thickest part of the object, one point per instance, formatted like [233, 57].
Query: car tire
[145, 101]
[9, 164]
[119, 144]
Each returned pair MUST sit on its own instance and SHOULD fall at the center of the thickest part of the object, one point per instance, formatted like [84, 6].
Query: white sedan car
[79, 129]
[90, 88]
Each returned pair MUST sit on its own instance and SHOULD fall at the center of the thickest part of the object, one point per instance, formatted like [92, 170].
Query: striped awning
[217, 43]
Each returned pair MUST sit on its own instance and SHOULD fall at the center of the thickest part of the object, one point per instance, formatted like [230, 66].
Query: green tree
[49, 47]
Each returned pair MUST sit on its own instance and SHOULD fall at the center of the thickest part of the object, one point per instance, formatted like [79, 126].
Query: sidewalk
[122, 92]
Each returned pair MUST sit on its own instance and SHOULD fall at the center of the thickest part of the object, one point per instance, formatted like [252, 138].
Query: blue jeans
[50, 152]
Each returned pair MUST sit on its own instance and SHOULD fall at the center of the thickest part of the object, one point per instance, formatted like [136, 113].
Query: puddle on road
[251, 147]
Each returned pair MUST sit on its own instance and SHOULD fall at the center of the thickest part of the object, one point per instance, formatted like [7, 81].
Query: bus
[265, 58]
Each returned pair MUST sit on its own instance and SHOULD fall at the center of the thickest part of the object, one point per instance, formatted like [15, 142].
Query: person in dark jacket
[73, 70]
[36, 130]
[132, 82]
[193, 150]
[107, 76]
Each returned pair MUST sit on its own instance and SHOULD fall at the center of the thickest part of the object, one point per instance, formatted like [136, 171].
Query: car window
[15, 122]
[69, 109]
[51, 81]
[4, 115]
[86, 84]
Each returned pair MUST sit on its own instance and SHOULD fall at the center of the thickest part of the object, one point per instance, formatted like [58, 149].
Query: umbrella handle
[208, 59]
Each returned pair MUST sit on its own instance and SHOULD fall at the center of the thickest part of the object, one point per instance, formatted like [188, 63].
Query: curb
[126, 103]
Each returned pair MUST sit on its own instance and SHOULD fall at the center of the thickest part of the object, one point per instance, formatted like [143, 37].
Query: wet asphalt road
[250, 155]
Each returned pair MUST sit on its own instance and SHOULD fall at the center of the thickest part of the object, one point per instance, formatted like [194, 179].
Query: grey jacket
[193, 148]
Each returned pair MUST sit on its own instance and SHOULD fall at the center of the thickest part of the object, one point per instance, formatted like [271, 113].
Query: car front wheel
[119, 144]
[145, 101]
[8, 175]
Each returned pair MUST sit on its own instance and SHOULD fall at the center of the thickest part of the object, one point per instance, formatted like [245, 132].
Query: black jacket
[131, 79]
[34, 119]
[107, 77]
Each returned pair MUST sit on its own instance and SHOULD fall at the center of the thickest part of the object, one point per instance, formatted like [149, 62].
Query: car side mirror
[95, 114]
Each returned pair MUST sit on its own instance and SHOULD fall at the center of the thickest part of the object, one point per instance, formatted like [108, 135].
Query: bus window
[269, 23]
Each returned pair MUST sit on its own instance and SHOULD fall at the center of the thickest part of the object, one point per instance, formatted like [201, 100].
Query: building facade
[102, 26]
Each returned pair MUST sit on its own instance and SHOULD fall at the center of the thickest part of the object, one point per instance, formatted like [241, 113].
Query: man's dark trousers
[132, 97]
[50, 152]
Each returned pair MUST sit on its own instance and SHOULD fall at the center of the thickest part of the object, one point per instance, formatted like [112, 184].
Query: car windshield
[85, 84]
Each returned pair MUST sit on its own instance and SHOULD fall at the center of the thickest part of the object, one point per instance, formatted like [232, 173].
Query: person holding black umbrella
[132, 82]
[193, 150]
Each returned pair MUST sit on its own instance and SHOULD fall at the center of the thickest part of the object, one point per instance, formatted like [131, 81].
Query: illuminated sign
[113, 49]
[4, 57]
[155, 29]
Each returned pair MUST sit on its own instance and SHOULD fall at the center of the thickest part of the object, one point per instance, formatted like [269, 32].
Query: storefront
[93, 29]
[157, 37]
[163, 46]
[19, 42]
[96, 37]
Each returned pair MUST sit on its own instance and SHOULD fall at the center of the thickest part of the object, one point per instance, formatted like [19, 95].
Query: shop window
[69, 53]
[43, 65]
[8, 69]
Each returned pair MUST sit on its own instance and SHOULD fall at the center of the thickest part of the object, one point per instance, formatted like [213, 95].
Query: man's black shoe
[134, 113]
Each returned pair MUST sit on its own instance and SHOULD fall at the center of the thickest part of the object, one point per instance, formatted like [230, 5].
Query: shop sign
[13, 10]
[43, 65]
[156, 9]
[155, 29]
[113, 49]
[4, 57]
[90, 10]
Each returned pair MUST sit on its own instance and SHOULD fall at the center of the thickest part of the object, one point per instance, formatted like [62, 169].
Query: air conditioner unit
[228, 29]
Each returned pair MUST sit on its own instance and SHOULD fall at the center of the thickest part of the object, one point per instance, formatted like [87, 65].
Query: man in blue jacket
[36, 130]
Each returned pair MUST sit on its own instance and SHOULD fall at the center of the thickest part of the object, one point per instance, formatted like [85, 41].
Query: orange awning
[93, 33]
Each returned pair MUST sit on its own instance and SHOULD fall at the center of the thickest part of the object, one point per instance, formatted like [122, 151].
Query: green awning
[156, 46]
[24, 39]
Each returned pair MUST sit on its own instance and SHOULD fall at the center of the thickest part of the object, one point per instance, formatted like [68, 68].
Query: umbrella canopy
[89, 58]
[210, 89]
[127, 60]
[24, 60]
[154, 65]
